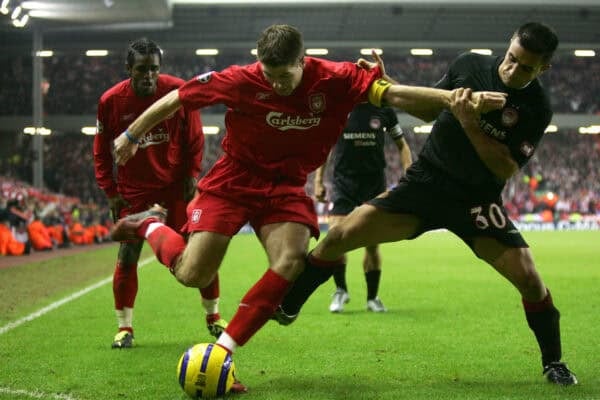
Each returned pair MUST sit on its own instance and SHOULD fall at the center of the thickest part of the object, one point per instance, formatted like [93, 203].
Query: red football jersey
[282, 136]
[168, 153]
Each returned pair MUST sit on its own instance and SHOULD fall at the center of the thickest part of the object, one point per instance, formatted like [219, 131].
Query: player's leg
[210, 294]
[210, 301]
[493, 237]
[286, 244]
[372, 269]
[341, 296]
[125, 281]
[516, 264]
[125, 287]
[196, 262]
[367, 225]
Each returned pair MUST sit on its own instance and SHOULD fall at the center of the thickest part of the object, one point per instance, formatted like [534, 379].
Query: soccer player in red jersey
[285, 112]
[164, 171]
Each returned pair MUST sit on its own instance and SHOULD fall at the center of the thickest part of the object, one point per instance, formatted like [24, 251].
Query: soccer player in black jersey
[466, 161]
[358, 161]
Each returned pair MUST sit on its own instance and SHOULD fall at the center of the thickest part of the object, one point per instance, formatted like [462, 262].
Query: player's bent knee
[334, 236]
[192, 276]
[289, 268]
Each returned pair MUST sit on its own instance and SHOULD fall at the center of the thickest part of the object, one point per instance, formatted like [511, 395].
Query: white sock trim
[152, 227]
[125, 317]
[227, 341]
[211, 306]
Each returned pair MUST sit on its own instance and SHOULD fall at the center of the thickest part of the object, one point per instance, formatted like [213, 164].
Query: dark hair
[280, 45]
[537, 38]
[145, 47]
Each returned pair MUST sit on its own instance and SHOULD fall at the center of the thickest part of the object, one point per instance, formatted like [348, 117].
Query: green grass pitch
[455, 329]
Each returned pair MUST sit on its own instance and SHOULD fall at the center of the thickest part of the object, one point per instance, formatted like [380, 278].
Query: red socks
[166, 244]
[125, 285]
[545, 304]
[211, 292]
[257, 306]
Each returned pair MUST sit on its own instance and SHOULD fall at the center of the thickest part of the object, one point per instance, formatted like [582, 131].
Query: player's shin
[166, 244]
[125, 285]
[257, 306]
[543, 319]
[316, 272]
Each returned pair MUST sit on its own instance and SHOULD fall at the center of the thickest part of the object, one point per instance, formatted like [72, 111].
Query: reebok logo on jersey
[286, 122]
[262, 96]
[204, 78]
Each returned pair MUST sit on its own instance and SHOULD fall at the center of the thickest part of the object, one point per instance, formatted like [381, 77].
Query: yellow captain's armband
[377, 90]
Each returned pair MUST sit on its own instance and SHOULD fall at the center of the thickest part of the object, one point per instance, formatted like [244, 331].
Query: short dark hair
[537, 38]
[280, 45]
[143, 46]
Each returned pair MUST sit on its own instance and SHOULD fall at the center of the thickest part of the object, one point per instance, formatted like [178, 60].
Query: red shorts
[170, 198]
[230, 196]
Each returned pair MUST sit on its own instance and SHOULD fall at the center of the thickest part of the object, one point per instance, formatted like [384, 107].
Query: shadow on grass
[404, 313]
[366, 386]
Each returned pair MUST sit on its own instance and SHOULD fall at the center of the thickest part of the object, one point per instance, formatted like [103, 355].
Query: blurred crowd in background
[73, 82]
[33, 219]
[562, 181]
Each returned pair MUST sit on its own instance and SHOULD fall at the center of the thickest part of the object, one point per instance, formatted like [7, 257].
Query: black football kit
[358, 157]
[449, 186]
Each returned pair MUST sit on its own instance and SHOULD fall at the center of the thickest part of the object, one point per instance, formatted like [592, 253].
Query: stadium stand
[560, 182]
[73, 82]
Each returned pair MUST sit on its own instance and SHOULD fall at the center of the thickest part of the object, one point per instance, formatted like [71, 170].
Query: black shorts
[439, 208]
[350, 192]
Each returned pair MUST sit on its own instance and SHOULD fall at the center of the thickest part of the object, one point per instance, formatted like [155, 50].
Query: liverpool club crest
[316, 102]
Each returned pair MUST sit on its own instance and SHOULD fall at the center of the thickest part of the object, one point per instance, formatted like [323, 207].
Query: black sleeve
[461, 67]
[447, 81]
[523, 146]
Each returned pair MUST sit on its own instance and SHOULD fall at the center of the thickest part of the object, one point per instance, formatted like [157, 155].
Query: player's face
[520, 66]
[144, 74]
[284, 79]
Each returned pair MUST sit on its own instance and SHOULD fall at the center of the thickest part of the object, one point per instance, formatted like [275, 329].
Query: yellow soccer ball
[206, 371]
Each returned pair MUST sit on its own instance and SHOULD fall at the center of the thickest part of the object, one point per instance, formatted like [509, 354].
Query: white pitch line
[35, 394]
[65, 300]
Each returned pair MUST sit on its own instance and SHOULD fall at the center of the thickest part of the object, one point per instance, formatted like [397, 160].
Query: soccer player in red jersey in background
[164, 171]
[285, 112]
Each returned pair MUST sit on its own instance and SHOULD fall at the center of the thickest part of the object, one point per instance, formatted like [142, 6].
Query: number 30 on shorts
[491, 215]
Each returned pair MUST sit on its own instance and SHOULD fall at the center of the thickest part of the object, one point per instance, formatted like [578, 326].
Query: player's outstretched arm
[421, 102]
[126, 144]
[426, 103]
